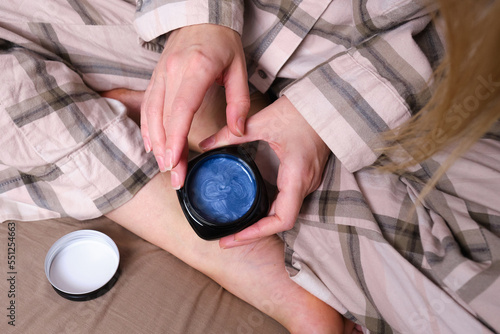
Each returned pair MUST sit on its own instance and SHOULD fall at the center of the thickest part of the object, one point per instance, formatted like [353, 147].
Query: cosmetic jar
[223, 192]
[82, 265]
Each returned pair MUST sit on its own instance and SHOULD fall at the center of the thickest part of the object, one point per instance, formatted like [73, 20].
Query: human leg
[79, 156]
[98, 152]
[254, 272]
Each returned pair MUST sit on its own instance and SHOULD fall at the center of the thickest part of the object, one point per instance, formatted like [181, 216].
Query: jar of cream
[223, 192]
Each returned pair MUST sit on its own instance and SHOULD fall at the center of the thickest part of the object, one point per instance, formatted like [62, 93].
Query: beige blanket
[156, 293]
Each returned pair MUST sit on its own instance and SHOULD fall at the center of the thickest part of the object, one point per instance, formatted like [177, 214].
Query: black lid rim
[209, 230]
[93, 294]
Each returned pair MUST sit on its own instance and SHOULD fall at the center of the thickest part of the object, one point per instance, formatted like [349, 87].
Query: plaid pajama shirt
[65, 150]
[352, 68]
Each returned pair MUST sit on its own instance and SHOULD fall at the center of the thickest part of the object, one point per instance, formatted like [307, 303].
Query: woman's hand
[302, 156]
[193, 59]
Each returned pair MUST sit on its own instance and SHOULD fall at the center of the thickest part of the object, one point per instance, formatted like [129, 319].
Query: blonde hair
[466, 102]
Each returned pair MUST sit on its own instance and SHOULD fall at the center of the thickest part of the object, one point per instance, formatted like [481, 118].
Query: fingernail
[161, 164]
[227, 244]
[246, 240]
[207, 143]
[168, 159]
[240, 125]
[174, 180]
[147, 145]
[248, 234]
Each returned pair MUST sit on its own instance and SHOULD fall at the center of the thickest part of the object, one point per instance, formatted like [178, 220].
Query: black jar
[223, 193]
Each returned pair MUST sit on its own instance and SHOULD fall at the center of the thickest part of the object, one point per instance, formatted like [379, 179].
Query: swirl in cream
[221, 188]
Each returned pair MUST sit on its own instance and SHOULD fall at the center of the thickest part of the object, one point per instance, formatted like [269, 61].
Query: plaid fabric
[355, 68]
[352, 68]
[365, 65]
[357, 245]
[65, 150]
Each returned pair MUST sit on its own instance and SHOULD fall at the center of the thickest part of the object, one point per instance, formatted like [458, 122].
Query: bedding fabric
[352, 68]
[155, 294]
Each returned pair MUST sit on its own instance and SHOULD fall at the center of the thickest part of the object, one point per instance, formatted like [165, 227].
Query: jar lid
[82, 265]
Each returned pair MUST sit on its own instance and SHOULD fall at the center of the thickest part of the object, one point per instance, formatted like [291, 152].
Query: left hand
[302, 156]
[195, 57]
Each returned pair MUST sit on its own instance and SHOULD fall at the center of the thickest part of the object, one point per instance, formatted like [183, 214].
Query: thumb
[225, 136]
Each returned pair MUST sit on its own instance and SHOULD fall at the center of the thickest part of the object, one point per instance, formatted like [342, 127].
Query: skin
[196, 57]
[179, 108]
[301, 151]
[302, 156]
[254, 271]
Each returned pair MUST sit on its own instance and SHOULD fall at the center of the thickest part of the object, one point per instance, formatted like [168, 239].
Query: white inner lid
[82, 264]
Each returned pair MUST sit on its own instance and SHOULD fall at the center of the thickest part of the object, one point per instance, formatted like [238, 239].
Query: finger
[145, 132]
[286, 212]
[238, 100]
[144, 119]
[229, 242]
[178, 174]
[153, 109]
[225, 136]
[265, 227]
[181, 105]
[291, 194]
[221, 138]
[286, 209]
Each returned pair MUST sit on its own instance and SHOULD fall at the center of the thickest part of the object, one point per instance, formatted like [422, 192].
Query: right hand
[302, 154]
[193, 59]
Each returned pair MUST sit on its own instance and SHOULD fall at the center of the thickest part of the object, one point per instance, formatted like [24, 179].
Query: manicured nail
[161, 164]
[227, 244]
[207, 143]
[233, 241]
[174, 180]
[247, 235]
[168, 159]
[147, 145]
[240, 126]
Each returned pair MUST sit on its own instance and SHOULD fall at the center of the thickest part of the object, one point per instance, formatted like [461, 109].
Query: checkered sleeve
[65, 150]
[376, 84]
[365, 246]
[155, 18]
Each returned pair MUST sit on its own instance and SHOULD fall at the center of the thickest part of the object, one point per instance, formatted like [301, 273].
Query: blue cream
[222, 188]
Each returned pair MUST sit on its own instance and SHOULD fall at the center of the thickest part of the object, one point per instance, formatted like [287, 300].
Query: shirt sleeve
[155, 18]
[370, 88]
